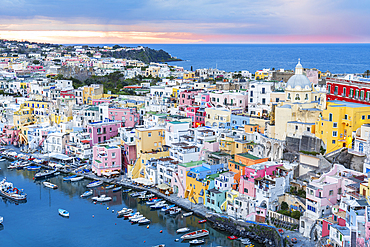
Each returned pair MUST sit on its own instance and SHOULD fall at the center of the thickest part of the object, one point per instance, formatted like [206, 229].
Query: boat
[187, 214]
[195, 234]
[125, 211]
[7, 190]
[117, 189]
[32, 168]
[75, 179]
[196, 241]
[245, 241]
[108, 187]
[69, 178]
[182, 230]
[126, 216]
[144, 197]
[136, 215]
[232, 237]
[175, 210]
[294, 240]
[168, 207]
[159, 205]
[153, 202]
[144, 222]
[1, 219]
[202, 221]
[94, 184]
[281, 231]
[159, 245]
[102, 198]
[1, 160]
[87, 193]
[126, 191]
[50, 185]
[63, 212]
[136, 194]
[137, 219]
[46, 174]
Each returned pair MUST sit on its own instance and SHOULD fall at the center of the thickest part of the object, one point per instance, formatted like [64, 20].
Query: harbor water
[37, 222]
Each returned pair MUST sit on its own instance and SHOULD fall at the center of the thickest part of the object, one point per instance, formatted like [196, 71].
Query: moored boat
[126, 191]
[195, 234]
[125, 211]
[46, 174]
[108, 187]
[144, 222]
[69, 178]
[202, 221]
[63, 212]
[196, 241]
[102, 198]
[174, 211]
[187, 214]
[75, 179]
[50, 185]
[165, 209]
[94, 184]
[1, 219]
[87, 193]
[153, 202]
[137, 219]
[33, 168]
[182, 230]
[7, 190]
[117, 189]
[159, 205]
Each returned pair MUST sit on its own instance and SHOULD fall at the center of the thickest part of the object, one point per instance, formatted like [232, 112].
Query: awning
[60, 156]
[142, 181]
[85, 141]
[163, 187]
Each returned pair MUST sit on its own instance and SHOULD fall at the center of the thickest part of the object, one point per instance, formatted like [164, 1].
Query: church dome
[299, 80]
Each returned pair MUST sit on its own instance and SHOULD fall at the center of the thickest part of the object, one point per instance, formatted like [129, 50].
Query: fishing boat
[159, 205]
[126, 191]
[63, 212]
[182, 230]
[75, 179]
[153, 202]
[46, 174]
[69, 178]
[94, 184]
[195, 234]
[144, 222]
[102, 198]
[187, 214]
[109, 187]
[202, 221]
[50, 185]
[174, 211]
[135, 215]
[196, 241]
[167, 208]
[126, 216]
[7, 190]
[1, 219]
[125, 211]
[87, 193]
[117, 189]
[33, 168]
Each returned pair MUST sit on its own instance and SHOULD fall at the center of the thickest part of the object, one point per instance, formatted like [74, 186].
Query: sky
[185, 21]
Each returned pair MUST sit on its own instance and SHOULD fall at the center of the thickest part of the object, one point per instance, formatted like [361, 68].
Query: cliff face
[145, 55]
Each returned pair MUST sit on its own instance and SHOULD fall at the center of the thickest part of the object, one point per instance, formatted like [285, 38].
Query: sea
[37, 222]
[337, 58]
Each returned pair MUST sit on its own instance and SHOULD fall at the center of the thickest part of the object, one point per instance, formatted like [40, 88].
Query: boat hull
[8, 196]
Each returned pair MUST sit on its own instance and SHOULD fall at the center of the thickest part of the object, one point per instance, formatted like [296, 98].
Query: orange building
[251, 128]
[242, 160]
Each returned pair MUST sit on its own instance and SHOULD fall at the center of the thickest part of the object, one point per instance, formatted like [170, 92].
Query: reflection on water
[40, 214]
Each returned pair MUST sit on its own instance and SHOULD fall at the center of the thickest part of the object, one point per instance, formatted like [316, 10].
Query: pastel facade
[102, 131]
[128, 116]
[106, 159]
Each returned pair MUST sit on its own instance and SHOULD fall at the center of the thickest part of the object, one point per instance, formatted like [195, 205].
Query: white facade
[259, 98]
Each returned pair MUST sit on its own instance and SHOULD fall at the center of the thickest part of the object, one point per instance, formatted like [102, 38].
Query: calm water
[337, 58]
[37, 223]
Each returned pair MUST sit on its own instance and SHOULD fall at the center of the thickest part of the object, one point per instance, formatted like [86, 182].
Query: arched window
[306, 98]
[297, 97]
[288, 95]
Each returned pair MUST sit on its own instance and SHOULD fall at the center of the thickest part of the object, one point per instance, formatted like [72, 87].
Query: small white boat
[1, 160]
[75, 179]
[196, 241]
[137, 214]
[195, 234]
[159, 205]
[1, 219]
[181, 230]
[87, 193]
[125, 211]
[94, 184]
[50, 185]
[109, 187]
[63, 212]
[135, 220]
[117, 189]
[144, 221]
[187, 214]
[175, 210]
[102, 198]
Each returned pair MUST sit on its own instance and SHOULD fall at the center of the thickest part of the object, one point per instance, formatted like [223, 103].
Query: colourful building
[128, 116]
[106, 159]
[103, 131]
[338, 121]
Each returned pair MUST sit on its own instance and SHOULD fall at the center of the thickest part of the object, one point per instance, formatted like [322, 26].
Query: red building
[348, 90]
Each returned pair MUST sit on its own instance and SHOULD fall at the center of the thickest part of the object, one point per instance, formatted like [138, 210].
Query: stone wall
[310, 144]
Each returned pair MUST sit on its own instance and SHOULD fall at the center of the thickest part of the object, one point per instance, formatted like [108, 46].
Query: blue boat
[167, 208]
[69, 178]
[117, 189]
[126, 191]
[32, 168]
[87, 193]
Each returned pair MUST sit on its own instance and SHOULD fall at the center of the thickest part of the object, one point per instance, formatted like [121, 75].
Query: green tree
[284, 206]
[295, 214]
[367, 74]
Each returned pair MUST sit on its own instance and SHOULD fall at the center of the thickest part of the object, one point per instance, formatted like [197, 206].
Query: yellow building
[261, 74]
[188, 75]
[365, 190]
[230, 196]
[152, 71]
[234, 145]
[149, 144]
[94, 91]
[217, 117]
[338, 121]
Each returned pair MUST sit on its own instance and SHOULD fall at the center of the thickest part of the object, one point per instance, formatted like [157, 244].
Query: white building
[259, 98]
[55, 143]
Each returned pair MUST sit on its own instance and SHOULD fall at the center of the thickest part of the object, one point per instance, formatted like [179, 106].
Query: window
[251, 100]
[113, 155]
[335, 133]
[368, 116]
[263, 101]
[306, 97]
[344, 92]
[288, 95]
[297, 97]
[330, 117]
[245, 190]
[362, 94]
[363, 117]
[329, 88]
[296, 127]
[331, 192]
[237, 145]
[149, 134]
[251, 93]
[336, 90]
[351, 93]
[308, 129]
[346, 116]
[335, 125]
[333, 141]
[357, 92]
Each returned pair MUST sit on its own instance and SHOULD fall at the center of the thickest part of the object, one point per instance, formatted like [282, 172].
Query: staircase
[41, 142]
[135, 173]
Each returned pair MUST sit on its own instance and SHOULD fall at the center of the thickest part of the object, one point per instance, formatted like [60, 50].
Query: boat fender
[112, 211]
[107, 208]
[93, 216]
[147, 227]
[160, 231]
[15, 189]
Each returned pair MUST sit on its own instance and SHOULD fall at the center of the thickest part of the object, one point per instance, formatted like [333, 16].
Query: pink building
[229, 99]
[106, 159]
[103, 131]
[187, 97]
[178, 181]
[100, 101]
[128, 116]
[9, 135]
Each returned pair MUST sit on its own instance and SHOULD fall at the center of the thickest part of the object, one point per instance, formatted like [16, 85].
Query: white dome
[298, 81]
